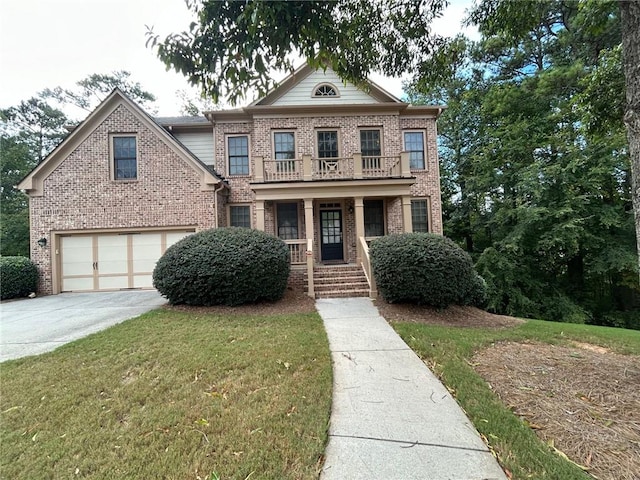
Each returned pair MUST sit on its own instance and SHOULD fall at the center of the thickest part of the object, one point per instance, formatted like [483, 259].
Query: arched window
[325, 90]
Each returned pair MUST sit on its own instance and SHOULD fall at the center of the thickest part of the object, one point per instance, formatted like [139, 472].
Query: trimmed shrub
[18, 277]
[426, 269]
[224, 266]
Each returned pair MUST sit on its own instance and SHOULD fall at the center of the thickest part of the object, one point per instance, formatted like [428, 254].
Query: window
[414, 144]
[125, 163]
[238, 151]
[420, 216]
[284, 149]
[240, 216]
[287, 221]
[328, 144]
[370, 149]
[373, 218]
[325, 90]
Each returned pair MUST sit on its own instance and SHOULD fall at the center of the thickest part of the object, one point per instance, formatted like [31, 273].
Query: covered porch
[331, 223]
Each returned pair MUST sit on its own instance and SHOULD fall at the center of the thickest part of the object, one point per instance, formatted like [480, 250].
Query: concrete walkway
[391, 417]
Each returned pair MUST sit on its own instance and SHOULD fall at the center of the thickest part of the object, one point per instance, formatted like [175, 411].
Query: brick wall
[80, 195]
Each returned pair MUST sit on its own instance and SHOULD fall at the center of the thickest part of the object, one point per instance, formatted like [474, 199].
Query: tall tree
[630, 11]
[94, 88]
[234, 45]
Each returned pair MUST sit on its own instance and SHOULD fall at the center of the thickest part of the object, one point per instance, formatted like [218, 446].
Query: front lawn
[566, 382]
[175, 395]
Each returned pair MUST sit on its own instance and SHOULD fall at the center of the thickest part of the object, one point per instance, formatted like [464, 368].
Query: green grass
[449, 350]
[172, 395]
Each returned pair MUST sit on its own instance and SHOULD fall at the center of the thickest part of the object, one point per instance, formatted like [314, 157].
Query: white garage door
[112, 261]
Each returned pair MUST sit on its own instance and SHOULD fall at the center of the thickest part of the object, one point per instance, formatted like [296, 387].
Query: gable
[34, 181]
[298, 90]
[302, 93]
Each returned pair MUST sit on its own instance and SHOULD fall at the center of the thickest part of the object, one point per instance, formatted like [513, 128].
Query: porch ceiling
[389, 187]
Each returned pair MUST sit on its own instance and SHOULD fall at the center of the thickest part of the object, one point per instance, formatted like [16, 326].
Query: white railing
[363, 253]
[297, 251]
[283, 170]
[329, 168]
[380, 167]
[347, 168]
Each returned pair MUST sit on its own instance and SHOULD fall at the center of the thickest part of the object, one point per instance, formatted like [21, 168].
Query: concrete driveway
[38, 325]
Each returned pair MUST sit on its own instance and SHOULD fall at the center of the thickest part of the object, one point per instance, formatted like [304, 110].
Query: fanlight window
[325, 90]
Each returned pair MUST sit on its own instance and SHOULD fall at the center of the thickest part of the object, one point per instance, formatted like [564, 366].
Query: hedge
[18, 277]
[426, 269]
[224, 266]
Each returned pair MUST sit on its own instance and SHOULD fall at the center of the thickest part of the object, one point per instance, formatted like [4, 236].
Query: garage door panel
[118, 261]
[173, 237]
[112, 254]
[77, 255]
[113, 282]
[147, 249]
[142, 281]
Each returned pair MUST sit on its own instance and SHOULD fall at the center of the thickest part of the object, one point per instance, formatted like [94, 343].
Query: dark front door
[331, 234]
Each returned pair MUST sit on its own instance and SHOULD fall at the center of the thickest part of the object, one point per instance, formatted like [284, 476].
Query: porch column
[357, 165]
[406, 214]
[260, 215]
[359, 212]
[405, 165]
[308, 228]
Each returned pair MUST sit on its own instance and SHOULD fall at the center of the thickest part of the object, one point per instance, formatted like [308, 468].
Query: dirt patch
[294, 301]
[453, 316]
[584, 399]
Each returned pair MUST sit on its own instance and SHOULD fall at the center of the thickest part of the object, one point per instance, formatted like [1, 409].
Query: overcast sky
[49, 43]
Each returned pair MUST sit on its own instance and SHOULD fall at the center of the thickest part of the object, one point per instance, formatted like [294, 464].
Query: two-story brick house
[321, 164]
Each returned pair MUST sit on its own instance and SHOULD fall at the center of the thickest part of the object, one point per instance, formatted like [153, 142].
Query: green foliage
[425, 269]
[232, 47]
[94, 88]
[18, 277]
[536, 174]
[228, 266]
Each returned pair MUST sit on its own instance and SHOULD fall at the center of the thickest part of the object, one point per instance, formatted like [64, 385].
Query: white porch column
[359, 213]
[406, 214]
[308, 228]
[260, 215]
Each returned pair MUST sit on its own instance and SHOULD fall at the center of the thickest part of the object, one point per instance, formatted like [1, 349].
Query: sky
[49, 43]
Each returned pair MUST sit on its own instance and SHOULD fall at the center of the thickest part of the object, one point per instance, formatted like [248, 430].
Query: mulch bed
[585, 399]
[453, 316]
[294, 301]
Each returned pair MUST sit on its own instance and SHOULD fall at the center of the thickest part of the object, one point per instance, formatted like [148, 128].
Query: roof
[183, 120]
[33, 182]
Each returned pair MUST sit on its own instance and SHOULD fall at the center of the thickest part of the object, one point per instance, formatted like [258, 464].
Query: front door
[331, 235]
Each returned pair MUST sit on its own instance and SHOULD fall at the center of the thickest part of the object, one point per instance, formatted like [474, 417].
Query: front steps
[339, 281]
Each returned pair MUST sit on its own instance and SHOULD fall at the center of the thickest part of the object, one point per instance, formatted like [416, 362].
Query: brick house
[321, 164]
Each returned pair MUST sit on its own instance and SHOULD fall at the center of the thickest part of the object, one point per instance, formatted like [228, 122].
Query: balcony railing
[344, 168]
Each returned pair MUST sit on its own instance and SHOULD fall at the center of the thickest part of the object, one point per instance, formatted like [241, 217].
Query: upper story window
[414, 144]
[325, 90]
[238, 154]
[125, 157]
[328, 144]
[284, 145]
[370, 143]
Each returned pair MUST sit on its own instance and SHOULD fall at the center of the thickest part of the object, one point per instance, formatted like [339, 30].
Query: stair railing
[363, 248]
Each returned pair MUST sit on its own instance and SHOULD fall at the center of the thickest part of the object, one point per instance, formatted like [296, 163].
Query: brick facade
[80, 195]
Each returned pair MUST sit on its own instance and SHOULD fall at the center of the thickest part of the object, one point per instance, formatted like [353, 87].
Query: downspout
[215, 203]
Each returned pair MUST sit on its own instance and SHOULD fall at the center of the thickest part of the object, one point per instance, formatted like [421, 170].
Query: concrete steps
[340, 281]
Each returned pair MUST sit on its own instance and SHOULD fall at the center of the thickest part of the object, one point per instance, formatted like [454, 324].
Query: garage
[112, 261]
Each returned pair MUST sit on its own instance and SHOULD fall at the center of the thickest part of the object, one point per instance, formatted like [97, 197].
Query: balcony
[308, 169]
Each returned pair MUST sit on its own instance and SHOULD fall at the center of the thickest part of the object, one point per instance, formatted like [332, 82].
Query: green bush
[18, 277]
[425, 269]
[224, 266]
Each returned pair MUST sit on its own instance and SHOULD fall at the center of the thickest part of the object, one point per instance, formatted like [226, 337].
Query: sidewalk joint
[410, 444]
